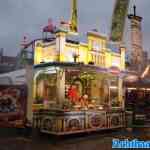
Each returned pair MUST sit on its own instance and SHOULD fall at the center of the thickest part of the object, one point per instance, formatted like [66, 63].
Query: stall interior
[138, 101]
[71, 88]
[73, 98]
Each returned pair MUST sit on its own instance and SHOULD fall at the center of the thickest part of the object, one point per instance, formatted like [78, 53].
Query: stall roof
[112, 70]
[140, 84]
[69, 64]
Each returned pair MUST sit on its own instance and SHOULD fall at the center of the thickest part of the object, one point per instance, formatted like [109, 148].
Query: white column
[29, 79]
[60, 86]
[60, 44]
[120, 91]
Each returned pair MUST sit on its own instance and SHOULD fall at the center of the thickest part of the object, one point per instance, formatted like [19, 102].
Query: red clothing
[73, 94]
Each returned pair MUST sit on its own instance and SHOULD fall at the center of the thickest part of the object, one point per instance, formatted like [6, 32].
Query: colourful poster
[118, 20]
[13, 101]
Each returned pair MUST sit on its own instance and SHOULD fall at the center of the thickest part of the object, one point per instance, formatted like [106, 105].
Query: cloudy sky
[27, 17]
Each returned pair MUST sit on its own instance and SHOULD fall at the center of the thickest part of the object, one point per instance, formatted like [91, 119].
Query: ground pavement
[92, 141]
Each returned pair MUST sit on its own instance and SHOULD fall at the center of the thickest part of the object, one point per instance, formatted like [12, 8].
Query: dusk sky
[27, 18]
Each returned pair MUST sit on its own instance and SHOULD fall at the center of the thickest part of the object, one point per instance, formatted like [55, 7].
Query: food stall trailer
[74, 98]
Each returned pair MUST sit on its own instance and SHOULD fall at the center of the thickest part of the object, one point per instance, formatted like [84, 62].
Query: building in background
[9, 60]
[7, 63]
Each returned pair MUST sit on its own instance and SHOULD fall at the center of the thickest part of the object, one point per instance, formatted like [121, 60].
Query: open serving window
[72, 98]
[76, 88]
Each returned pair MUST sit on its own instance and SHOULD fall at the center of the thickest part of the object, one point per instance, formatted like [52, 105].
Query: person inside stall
[83, 101]
[73, 94]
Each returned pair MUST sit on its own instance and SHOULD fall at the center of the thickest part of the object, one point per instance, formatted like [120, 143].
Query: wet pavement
[92, 141]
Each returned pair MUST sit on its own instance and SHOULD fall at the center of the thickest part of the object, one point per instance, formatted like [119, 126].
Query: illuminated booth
[78, 86]
[73, 97]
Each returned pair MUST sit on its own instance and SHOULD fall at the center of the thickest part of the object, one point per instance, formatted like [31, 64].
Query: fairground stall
[73, 98]
[77, 83]
[138, 101]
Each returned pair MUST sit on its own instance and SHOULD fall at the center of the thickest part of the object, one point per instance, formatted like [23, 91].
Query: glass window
[86, 89]
[100, 90]
[114, 93]
[46, 87]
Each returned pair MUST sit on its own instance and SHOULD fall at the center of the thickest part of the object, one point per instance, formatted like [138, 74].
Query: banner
[118, 20]
[13, 102]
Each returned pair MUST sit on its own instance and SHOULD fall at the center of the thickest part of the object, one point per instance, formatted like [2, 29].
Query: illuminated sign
[114, 70]
[69, 54]
[44, 45]
[131, 78]
[45, 52]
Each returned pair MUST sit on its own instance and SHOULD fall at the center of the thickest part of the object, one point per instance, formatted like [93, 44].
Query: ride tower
[137, 53]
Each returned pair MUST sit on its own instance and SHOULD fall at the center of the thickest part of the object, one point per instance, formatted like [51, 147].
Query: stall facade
[73, 97]
[77, 86]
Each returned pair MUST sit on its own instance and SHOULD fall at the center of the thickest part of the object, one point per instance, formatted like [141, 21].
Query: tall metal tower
[74, 17]
[136, 42]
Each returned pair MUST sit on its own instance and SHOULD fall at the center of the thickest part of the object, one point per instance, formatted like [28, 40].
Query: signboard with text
[45, 52]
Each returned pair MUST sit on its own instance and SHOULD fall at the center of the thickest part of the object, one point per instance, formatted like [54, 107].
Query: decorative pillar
[60, 44]
[60, 86]
[120, 91]
[30, 84]
[110, 100]
[122, 52]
